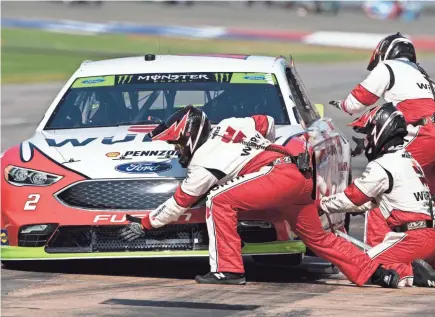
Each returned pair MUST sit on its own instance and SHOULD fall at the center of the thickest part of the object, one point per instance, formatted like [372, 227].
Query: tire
[278, 260]
[12, 265]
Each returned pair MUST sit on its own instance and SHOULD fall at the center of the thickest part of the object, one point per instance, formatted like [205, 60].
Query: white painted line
[13, 121]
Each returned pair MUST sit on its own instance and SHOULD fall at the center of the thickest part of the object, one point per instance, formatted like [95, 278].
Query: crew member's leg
[267, 189]
[376, 227]
[351, 261]
[398, 250]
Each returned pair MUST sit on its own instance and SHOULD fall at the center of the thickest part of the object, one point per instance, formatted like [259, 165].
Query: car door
[331, 158]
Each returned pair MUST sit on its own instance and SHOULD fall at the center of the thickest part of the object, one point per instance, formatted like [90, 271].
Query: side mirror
[320, 109]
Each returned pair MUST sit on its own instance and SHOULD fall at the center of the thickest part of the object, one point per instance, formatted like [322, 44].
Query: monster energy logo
[125, 79]
[222, 77]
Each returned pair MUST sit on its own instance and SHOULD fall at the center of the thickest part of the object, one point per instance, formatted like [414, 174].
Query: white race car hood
[116, 152]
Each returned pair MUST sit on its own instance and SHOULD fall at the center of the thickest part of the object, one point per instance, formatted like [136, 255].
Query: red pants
[422, 148]
[281, 187]
[405, 248]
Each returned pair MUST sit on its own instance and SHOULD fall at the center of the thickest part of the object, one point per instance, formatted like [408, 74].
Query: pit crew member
[398, 78]
[239, 169]
[394, 187]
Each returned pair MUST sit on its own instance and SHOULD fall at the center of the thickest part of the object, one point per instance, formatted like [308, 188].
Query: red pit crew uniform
[248, 178]
[400, 82]
[394, 187]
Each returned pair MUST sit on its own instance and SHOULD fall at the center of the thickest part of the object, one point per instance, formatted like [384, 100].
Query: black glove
[359, 146]
[133, 230]
[336, 104]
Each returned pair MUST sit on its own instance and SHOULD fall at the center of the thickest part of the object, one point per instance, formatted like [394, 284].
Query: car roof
[179, 64]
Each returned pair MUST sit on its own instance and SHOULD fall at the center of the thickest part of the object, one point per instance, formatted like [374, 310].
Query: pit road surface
[166, 287]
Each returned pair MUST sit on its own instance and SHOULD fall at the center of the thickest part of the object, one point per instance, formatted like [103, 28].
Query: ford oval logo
[143, 167]
[93, 81]
[259, 77]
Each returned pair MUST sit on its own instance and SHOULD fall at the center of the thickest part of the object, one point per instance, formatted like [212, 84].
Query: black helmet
[187, 128]
[384, 126]
[391, 47]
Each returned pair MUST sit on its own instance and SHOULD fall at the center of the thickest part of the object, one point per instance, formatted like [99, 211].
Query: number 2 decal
[31, 202]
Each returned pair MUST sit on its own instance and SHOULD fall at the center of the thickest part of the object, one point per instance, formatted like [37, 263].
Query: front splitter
[14, 253]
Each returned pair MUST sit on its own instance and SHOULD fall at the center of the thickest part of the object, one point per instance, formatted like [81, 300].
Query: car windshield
[108, 101]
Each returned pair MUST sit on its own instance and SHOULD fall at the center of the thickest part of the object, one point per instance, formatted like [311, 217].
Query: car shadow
[175, 268]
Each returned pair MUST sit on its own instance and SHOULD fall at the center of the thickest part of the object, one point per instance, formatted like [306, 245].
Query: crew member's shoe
[221, 278]
[424, 274]
[385, 278]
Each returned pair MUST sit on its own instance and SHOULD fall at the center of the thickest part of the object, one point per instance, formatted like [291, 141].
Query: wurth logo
[423, 195]
[423, 86]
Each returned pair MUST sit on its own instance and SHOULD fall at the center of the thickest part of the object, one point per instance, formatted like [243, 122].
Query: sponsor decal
[93, 81]
[143, 167]
[174, 77]
[124, 79]
[128, 155]
[423, 86]
[164, 78]
[113, 154]
[422, 195]
[253, 143]
[417, 225]
[249, 78]
[254, 77]
[283, 160]
[223, 77]
[98, 81]
[122, 218]
[4, 237]
[106, 140]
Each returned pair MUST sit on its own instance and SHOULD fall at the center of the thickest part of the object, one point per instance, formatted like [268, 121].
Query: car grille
[70, 239]
[130, 194]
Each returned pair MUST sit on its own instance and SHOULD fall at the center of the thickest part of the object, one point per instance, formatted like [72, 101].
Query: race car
[67, 189]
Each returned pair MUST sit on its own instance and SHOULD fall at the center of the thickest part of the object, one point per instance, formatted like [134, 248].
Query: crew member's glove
[337, 104]
[319, 208]
[359, 146]
[133, 230]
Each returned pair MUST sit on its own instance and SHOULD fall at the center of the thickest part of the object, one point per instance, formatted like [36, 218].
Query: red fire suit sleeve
[360, 195]
[369, 91]
[266, 126]
[197, 183]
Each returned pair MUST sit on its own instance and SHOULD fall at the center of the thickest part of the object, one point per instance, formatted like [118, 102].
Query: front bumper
[14, 253]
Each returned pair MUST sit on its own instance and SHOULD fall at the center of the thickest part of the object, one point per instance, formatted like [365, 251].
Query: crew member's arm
[369, 91]
[359, 196]
[266, 126]
[198, 182]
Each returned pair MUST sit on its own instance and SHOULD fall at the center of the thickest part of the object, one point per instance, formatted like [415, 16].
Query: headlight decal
[20, 176]
[26, 151]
